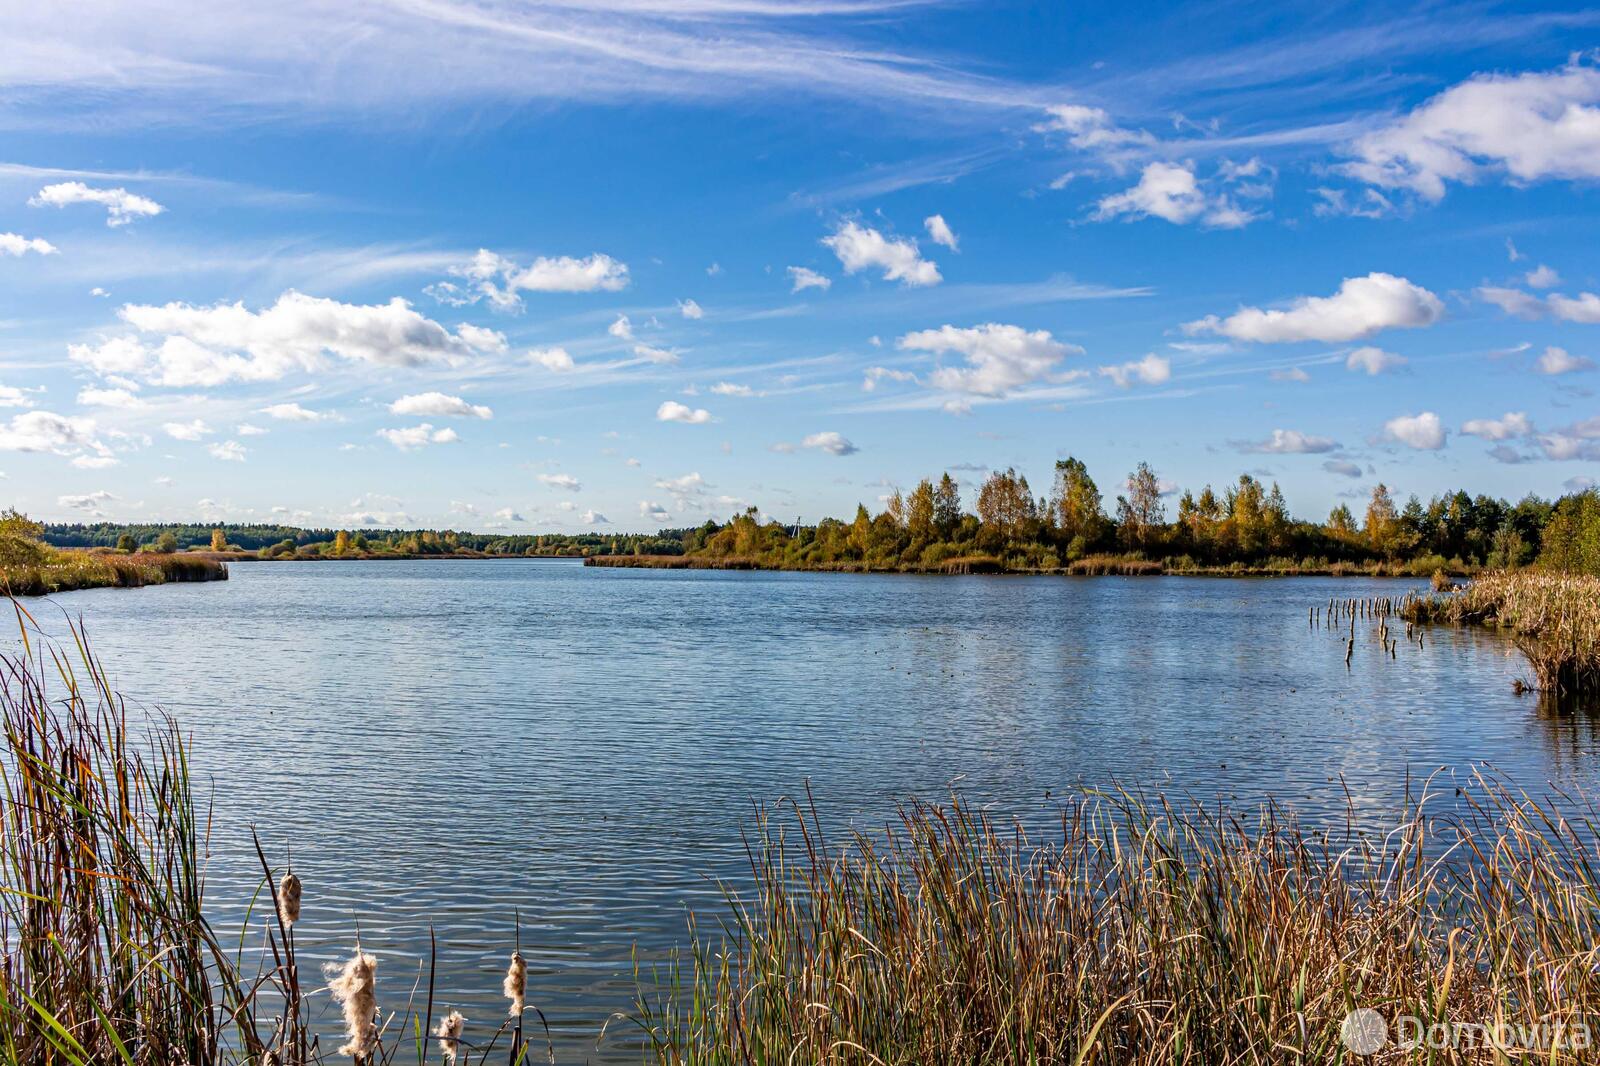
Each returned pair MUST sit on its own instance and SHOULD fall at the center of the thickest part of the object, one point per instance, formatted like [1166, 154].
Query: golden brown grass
[66, 569]
[1554, 618]
[1138, 933]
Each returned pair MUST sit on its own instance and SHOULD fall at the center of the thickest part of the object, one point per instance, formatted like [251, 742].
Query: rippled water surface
[453, 742]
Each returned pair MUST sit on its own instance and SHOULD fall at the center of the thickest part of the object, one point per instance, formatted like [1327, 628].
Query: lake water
[453, 742]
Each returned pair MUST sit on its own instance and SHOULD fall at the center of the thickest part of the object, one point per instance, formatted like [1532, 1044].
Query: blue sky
[584, 265]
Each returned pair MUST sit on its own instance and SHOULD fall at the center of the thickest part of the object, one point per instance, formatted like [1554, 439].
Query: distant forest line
[1247, 524]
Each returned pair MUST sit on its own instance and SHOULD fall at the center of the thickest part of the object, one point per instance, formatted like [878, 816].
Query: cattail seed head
[352, 988]
[516, 986]
[289, 899]
[449, 1034]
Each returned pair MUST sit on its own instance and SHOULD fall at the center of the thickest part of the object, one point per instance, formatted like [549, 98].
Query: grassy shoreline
[69, 570]
[1090, 566]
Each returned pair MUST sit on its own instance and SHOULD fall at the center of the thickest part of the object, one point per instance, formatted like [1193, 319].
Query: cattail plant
[352, 988]
[289, 898]
[516, 983]
[449, 1034]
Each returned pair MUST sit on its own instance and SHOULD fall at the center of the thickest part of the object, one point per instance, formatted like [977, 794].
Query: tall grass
[1554, 618]
[109, 955]
[63, 570]
[1137, 933]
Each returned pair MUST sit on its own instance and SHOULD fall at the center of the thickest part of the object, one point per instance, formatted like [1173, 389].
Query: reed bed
[109, 956]
[1142, 933]
[1553, 617]
[63, 570]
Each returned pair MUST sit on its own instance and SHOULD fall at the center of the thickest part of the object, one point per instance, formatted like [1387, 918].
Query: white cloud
[684, 489]
[16, 245]
[862, 248]
[1342, 467]
[418, 436]
[1151, 370]
[1560, 361]
[291, 412]
[999, 357]
[438, 405]
[498, 281]
[207, 346]
[245, 429]
[1421, 431]
[490, 341]
[561, 481]
[186, 430]
[1584, 308]
[1290, 442]
[1526, 127]
[1510, 425]
[802, 278]
[652, 354]
[593, 518]
[1542, 277]
[690, 309]
[830, 442]
[1373, 361]
[89, 501]
[93, 397]
[728, 388]
[622, 329]
[653, 511]
[558, 360]
[1511, 301]
[1170, 191]
[939, 232]
[122, 206]
[673, 411]
[508, 514]
[1362, 306]
[1091, 129]
[875, 374]
[1292, 373]
[229, 450]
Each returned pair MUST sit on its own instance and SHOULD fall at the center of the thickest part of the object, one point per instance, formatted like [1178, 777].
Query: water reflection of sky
[453, 742]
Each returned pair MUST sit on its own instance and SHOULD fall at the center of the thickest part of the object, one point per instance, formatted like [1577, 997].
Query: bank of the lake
[68, 570]
[1089, 566]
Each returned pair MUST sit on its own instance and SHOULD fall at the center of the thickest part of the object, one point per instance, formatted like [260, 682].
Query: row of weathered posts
[1342, 612]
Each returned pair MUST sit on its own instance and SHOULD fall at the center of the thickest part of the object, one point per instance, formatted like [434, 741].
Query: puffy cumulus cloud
[1542, 277]
[419, 436]
[1362, 306]
[1289, 442]
[622, 328]
[1526, 127]
[1511, 301]
[14, 244]
[830, 442]
[1000, 358]
[208, 346]
[1555, 361]
[565, 482]
[11, 396]
[802, 278]
[42, 431]
[687, 490]
[291, 412]
[653, 511]
[229, 451]
[1424, 432]
[490, 341]
[1151, 370]
[939, 232]
[509, 514]
[863, 248]
[673, 411]
[122, 206]
[499, 282]
[438, 405]
[1171, 191]
[593, 518]
[1342, 467]
[1373, 361]
[1091, 129]
[190, 431]
[555, 359]
[118, 397]
[89, 501]
[691, 310]
[1506, 427]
